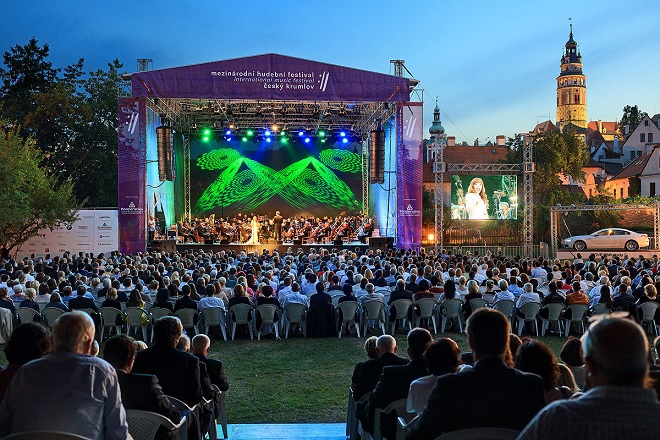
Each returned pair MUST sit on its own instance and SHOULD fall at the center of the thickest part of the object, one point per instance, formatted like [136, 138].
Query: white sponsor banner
[95, 231]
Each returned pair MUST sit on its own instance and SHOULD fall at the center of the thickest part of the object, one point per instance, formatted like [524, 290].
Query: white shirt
[419, 393]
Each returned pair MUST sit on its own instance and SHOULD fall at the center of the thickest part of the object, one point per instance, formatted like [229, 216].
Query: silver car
[610, 238]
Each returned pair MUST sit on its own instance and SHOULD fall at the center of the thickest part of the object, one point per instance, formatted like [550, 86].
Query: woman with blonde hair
[476, 200]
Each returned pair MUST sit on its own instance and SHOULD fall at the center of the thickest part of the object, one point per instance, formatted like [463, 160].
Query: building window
[646, 122]
[650, 137]
[621, 192]
[576, 97]
[642, 137]
[652, 189]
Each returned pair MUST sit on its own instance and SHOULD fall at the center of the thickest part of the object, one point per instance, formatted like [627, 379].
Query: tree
[555, 154]
[28, 72]
[631, 117]
[32, 198]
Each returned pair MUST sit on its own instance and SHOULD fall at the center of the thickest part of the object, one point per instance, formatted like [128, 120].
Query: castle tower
[571, 89]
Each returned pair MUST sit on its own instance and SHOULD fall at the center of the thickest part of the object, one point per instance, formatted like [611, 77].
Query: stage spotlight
[344, 140]
[274, 127]
[268, 139]
[228, 133]
[321, 134]
[244, 139]
[267, 133]
[284, 140]
[301, 133]
[307, 140]
[342, 134]
[250, 132]
[228, 138]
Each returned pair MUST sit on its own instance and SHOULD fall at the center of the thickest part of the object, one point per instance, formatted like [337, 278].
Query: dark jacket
[512, 397]
[370, 373]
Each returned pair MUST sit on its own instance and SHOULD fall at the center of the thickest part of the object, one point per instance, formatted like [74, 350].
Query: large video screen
[484, 197]
[297, 178]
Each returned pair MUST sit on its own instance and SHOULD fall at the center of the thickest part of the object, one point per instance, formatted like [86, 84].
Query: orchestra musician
[277, 223]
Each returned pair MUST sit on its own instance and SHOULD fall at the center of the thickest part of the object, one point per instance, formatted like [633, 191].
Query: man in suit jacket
[80, 302]
[139, 391]
[512, 397]
[178, 372]
[395, 381]
[214, 368]
[371, 370]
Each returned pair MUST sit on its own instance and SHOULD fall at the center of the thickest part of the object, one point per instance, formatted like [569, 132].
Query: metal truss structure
[556, 211]
[186, 178]
[526, 168]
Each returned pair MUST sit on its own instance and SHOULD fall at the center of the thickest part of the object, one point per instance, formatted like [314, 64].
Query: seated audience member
[183, 344]
[571, 355]
[619, 403]
[29, 301]
[553, 297]
[111, 299]
[512, 397]
[442, 356]
[214, 368]
[81, 302]
[56, 302]
[91, 396]
[370, 371]
[320, 295]
[43, 296]
[348, 293]
[473, 293]
[138, 391]
[535, 357]
[395, 380]
[5, 301]
[162, 299]
[567, 380]
[528, 296]
[372, 353]
[177, 371]
[29, 341]
[267, 298]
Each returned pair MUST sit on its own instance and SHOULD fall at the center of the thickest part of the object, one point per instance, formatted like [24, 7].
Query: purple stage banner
[409, 119]
[270, 77]
[131, 175]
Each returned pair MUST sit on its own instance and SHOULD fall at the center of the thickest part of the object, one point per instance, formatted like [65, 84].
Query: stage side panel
[131, 175]
[409, 174]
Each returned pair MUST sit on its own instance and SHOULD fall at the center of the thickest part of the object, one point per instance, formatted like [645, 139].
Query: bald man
[619, 403]
[371, 370]
[68, 390]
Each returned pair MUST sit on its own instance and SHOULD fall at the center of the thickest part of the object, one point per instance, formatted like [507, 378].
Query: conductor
[277, 223]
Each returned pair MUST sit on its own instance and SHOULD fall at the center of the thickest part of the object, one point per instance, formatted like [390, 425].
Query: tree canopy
[71, 116]
[32, 198]
[632, 116]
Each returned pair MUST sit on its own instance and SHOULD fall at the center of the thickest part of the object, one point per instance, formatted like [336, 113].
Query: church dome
[436, 127]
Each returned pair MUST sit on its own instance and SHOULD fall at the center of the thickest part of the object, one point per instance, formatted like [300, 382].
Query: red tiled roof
[634, 168]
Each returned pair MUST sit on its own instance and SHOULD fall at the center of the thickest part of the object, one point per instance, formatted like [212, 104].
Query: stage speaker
[382, 243]
[162, 245]
[165, 147]
[377, 156]
[338, 242]
[224, 241]
[208, 241]
[297, 242]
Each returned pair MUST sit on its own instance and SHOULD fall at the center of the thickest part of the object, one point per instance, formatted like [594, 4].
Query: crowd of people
[436, 373]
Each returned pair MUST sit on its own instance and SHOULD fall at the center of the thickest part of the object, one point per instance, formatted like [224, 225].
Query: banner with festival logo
[96, 231]
[131, 174]
[409, 120]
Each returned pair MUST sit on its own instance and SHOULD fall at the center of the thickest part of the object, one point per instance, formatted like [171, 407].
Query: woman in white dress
[254, 239]
[476, 201]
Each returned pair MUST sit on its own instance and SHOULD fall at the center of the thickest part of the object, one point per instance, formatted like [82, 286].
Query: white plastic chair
[373, 311]
[26, 314]
[134, 320]
[294, 314]
[239, 314]
[335, 300]
[187, 317]
[577, 315]
[348, 310]
[648, 315]
[215, 316]
[222, 411]
[108, 319]
[268, 312]
[427, 310]
[507, 307]
[452, 310]
[397, 405]
[401, 306]
[554, 315]
[478, 303]
[143, 425]
[50, 315]
[531, 311]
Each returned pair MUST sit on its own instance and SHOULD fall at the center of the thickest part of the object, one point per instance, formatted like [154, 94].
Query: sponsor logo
[132, 123]
[410, 126]
[82, 226]
[69, 227]
[104, 227]
[104, 217]
[132, 209]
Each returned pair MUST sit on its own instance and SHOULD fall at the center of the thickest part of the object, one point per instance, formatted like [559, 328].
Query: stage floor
[271, 246]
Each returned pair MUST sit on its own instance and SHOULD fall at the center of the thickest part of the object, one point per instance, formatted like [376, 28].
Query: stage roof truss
[186, 115]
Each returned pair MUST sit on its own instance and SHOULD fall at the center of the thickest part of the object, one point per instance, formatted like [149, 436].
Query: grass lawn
[299, 380]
